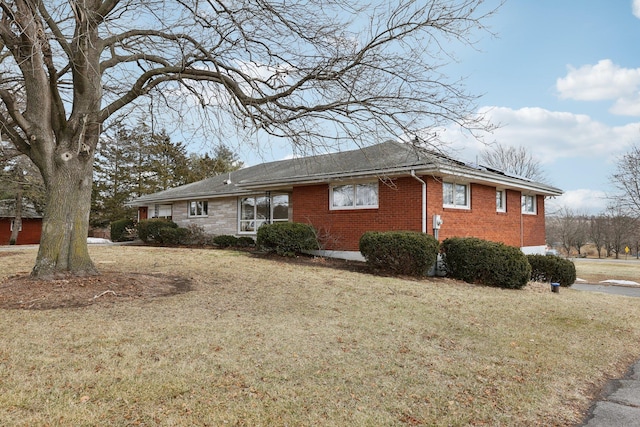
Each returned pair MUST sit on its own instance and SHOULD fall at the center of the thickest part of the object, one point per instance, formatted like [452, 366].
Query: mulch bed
[24, 292]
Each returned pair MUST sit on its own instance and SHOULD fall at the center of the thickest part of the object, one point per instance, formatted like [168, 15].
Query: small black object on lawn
[555, 287]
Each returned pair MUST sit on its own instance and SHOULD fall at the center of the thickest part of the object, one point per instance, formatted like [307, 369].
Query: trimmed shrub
[149, 229]
[120, 230]
[287, 238]
[225, 240]
[488, 263]
[245, 242]
[553, 269]
[172, 236]
[400, 252]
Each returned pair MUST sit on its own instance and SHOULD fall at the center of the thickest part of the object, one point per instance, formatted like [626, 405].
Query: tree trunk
[65, 226]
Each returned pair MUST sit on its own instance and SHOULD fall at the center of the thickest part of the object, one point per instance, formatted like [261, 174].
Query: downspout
[424, 201]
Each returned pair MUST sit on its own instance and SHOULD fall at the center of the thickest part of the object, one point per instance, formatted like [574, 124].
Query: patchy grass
[597, 270]
[271, 342]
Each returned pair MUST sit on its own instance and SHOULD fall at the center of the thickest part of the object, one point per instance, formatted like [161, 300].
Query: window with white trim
[12, 225]
[198, 208]
[501, 200]
[354, 196]
[280, 208]
[528, 204]
[455, 195]
[257, 210]
[162, 211]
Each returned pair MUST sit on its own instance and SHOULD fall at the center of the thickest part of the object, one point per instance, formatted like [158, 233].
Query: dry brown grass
[265, 342]
[596, 270]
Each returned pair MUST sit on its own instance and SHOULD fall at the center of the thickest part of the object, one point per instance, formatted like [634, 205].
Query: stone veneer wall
[222, 218]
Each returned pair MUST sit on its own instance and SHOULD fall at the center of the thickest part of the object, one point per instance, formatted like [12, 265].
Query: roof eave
[480, 177]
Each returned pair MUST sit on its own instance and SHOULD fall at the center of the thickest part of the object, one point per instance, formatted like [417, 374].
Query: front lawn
[264, 342]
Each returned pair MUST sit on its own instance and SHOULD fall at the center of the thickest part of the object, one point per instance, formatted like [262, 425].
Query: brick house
[31, 228]
[389, 186]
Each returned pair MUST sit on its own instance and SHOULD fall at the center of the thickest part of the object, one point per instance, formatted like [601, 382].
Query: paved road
[621, 405]
[630, 291]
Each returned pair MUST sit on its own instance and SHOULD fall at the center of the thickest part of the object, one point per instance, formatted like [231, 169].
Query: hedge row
[167, 232]
[399, 252]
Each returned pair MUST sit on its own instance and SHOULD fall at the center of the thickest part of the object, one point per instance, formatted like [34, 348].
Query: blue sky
[562, 78]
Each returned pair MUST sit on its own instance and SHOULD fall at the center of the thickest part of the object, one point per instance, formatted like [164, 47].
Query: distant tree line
[130, 162]
[607, 233]
[610, 232]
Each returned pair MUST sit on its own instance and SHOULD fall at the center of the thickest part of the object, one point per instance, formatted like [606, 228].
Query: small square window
[198, 208]
[455, 195]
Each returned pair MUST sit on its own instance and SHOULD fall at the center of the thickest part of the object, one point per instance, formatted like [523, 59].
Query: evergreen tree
[133, 162]
[114, 177]
[204, 166]
[166, 164]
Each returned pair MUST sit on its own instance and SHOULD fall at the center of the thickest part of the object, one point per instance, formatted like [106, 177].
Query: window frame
[269, 220]
[534, 204]
[354, 196]
[204, 210]
[501, 193]
[158, 207]
[455, 205]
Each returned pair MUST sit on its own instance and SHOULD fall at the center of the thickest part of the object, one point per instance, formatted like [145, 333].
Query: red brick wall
[399, 208]
[30, 234]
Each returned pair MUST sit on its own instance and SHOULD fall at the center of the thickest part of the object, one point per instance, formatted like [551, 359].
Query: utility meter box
[437, 222]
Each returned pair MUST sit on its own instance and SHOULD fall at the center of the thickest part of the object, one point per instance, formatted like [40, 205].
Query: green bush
[225, 241]
[120, 230]
[400, 252]
[287, 238]
[245, 242]
[488, 263]
[149, 229]
[553, 269]
[172, 236]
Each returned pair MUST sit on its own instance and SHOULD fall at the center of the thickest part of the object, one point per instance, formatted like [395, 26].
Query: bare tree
[598, 232]
[312, 71]
[516, 160]
[626, 178]
[568, 229]
[621, 228]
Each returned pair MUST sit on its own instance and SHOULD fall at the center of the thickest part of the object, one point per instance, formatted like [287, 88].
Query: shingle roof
[7, 209]
[386, 159]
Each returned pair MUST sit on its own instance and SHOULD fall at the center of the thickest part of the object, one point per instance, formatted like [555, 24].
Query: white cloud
[605, 80]
[627, 106]
[581, 201]
[549, 135]
[635, 7]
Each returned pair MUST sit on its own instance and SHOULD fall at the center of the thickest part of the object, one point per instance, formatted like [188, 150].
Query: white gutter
[424, 201]
[477, 176]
